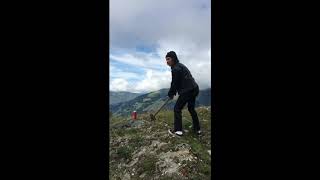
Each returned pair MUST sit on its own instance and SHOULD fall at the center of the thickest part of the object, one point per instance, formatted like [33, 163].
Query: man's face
[169, 61]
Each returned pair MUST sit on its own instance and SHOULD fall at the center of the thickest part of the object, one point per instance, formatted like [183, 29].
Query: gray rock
[142, 175]
[126, 177]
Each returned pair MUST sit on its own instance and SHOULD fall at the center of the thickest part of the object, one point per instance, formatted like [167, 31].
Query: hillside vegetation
[118, 97]
[144, 149]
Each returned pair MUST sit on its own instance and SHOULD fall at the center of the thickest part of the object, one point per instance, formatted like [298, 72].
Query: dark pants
[190, 98]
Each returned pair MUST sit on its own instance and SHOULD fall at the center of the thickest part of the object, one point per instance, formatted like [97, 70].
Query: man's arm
[174, 83]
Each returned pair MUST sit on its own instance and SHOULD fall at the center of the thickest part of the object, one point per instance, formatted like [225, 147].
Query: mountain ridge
[121, 96]
[153, 100]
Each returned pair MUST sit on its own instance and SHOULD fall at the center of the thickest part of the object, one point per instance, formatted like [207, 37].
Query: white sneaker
[177, 133]
[199, 133]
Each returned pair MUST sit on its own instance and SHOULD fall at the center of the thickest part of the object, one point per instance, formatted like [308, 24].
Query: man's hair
[173, 55]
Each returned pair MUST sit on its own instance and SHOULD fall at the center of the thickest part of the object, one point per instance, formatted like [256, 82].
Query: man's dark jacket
[182, 80]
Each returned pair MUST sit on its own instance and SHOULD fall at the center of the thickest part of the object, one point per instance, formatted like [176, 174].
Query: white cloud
[122, 74]
[119, 85]
[140, 59]
[196, 59]
[154, 80]
[178, 25]
[145, 21]
[158, 74]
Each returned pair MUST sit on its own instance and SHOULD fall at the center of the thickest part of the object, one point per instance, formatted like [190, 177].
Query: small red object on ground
[134, 115]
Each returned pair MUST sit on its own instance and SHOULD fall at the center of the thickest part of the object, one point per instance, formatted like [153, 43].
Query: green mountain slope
[117, 97]
[152, 101]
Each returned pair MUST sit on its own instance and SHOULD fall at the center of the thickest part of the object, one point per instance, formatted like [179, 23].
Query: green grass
[131, 131]
[134, 140]
[153, 94]
[124, 152]
[148, 164]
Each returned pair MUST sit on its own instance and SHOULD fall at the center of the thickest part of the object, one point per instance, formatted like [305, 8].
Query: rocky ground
[145, 150]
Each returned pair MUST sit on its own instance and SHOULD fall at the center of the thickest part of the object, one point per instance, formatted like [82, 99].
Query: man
[184, 84]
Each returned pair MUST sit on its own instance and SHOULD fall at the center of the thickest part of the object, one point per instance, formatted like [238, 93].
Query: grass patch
[136, 141]
[166, 177]
[199, 170]
[125, 152]
[131, 131]
[119, 133]
[148, 165]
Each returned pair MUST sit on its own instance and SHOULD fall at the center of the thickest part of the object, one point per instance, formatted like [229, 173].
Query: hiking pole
[152, 117]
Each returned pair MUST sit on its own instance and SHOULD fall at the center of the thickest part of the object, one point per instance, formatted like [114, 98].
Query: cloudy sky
[143, 31]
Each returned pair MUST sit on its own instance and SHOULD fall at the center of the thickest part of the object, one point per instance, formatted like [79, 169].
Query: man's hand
[171, 94]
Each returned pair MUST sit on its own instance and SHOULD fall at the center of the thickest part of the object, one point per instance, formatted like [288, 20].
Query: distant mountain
[118, 97]
[153, 100]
